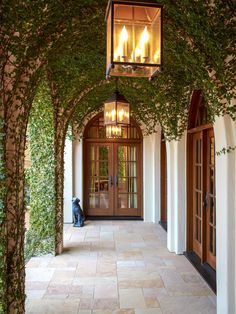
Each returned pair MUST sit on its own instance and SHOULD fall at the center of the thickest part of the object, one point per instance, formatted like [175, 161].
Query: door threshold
[113, 218]
[205, 270]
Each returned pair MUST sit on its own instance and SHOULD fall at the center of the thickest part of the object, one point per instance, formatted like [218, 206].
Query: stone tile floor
[120, 267]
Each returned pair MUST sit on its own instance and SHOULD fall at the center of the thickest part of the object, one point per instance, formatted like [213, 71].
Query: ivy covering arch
[63, 44]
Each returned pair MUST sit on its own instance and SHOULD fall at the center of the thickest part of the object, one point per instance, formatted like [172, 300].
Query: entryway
[201, 191]
[113, 171]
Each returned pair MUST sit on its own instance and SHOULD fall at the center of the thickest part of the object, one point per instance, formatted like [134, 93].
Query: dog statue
[78, 215]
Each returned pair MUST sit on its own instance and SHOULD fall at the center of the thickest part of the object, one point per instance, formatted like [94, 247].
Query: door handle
[205, 201]
[110, 181]
[116, 180]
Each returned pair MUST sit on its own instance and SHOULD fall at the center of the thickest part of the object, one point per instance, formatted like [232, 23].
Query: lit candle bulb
[144, 43]
[113, 115]
[123, 45]
[121, 115]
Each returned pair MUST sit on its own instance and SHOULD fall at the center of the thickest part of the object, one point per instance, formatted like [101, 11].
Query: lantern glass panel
[109, 39]
[110, 113]
[136, 40]
[123, 113]
[113, 131]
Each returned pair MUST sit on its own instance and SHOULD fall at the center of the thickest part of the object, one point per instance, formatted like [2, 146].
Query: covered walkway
[116, 267]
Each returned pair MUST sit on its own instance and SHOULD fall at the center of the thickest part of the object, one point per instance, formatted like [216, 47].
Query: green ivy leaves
[41, 176]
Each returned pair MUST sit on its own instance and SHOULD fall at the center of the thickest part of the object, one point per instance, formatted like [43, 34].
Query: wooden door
[99, 176]
[127, 174]
[203, 196]
[210, 201]
[113, 179]
[197, 193]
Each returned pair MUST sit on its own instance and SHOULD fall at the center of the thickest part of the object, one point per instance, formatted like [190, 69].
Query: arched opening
[201, 198]
[113, 171]
[163, 168]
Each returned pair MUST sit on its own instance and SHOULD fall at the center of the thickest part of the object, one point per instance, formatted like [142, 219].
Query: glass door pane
[99, 183]
[211, 201]
[127, 180]
[197, 193]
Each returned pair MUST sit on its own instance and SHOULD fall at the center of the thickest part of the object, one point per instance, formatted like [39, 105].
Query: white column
[68, 182]
[180, 245]
[151, 177]
[148, 180]
[157, 176]
[78, 170]
[176, 195]
[225, 136]
[170, 160]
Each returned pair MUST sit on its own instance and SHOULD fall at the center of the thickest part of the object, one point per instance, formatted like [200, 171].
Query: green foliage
[2, 220]
[41, 176]
[226, 150]
[198, 54]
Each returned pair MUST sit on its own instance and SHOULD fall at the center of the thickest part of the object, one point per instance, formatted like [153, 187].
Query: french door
[112, 183]
[203, 196]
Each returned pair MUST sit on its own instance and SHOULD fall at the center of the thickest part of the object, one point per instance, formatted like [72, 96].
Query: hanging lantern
[116, 110]
[113, 131]
[134, 38]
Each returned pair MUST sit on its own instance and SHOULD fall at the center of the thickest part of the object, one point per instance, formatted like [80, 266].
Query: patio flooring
[120, 267]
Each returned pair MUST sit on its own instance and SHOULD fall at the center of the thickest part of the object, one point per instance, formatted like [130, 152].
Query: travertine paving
[120, 267]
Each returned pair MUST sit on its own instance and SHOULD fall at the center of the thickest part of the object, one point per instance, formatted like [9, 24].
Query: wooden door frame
[139, 171]
[110, 142]
[86, 171]
[190, 182]
[104, 141]
[209, 256]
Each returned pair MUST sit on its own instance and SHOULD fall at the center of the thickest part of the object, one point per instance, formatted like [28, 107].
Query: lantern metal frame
[133, 65]
[117, 99]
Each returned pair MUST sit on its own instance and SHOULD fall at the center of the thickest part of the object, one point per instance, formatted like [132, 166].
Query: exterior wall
[151, 177]
[225, 136]
[73, 176]
[68, 182]
[78, 170]
[176, 195]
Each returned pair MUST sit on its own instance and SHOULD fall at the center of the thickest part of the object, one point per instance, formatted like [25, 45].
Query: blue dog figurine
[78, 215]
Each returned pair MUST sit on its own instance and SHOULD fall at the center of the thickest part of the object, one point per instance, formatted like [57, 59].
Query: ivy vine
[40, 238]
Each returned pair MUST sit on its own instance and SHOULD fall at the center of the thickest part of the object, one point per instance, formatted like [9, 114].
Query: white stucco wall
[78, 170]
[68, 181]
[225, 136]
[176, 195]
[73, 175]
[151, 177]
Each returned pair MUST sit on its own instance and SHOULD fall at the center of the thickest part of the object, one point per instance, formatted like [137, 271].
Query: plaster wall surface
[68, 181]
[151, 177]
[78, 170]
[176, 195]
[225, 130]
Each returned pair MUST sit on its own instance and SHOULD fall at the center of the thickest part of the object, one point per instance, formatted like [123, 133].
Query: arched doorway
[201, 211]
[163, 220]
[112, 171]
